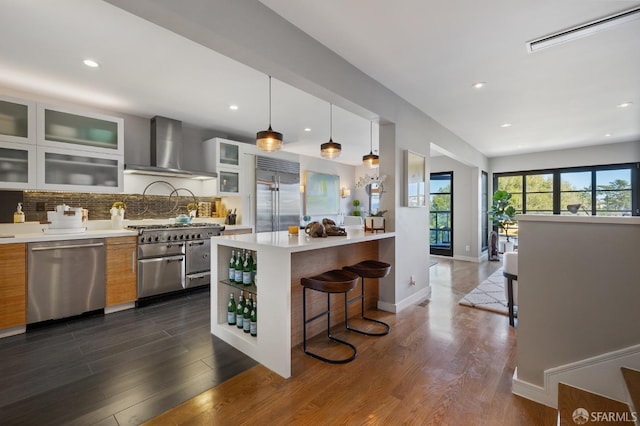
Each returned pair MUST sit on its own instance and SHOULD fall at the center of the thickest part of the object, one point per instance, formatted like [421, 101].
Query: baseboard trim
[7, 332]
[413, 299]
[118, 308]
[599, 374]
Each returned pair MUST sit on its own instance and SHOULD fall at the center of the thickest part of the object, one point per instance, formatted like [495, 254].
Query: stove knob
[199, 237]
[157, 238]
[186, 237]
[181, 237]
[142, 239]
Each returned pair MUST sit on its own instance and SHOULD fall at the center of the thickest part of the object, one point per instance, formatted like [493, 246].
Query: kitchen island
[282, 261]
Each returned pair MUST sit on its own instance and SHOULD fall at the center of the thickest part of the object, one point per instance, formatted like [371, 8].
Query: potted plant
[356, 208]
[502, 213]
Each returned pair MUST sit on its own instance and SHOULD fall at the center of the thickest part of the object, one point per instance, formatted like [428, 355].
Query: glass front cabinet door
[17, 165]
[228, 182]
[17, 120]
[82, 131]
[69, 170]
[228, 154]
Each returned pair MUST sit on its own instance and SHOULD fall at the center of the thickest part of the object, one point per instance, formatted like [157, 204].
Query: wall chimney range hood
[166, 149]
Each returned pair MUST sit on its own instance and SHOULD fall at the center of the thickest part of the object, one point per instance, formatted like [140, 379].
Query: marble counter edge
[282, 241]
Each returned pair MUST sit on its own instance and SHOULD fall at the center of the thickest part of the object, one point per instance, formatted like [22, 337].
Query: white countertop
[42, 237]
[301, 242]
[613, 220]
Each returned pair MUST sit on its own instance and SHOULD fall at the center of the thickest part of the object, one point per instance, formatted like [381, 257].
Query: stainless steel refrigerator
[277, 194]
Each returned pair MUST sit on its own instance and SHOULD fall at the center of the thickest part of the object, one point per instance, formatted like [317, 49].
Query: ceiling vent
[583, 30]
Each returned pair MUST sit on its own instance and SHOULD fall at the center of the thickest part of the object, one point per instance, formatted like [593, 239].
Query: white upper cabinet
[79, 171]
[17, 165]
[17, 120]
[71, 129]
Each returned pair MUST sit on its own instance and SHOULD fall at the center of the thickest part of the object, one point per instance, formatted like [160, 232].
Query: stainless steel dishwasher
[65, 278]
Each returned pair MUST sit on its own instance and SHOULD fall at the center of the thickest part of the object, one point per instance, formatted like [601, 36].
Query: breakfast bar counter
[282, 260]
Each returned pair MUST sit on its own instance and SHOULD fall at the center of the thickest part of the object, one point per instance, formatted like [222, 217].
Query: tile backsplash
[139, 206]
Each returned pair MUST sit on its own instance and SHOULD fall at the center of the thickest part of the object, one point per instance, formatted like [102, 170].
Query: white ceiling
[428, 52]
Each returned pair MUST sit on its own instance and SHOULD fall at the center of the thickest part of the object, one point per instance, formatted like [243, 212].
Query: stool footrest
[369, 333]
[334, 361]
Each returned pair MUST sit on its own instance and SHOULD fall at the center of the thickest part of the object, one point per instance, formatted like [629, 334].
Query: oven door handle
[169, 245]
[195, 243]
[174, 259]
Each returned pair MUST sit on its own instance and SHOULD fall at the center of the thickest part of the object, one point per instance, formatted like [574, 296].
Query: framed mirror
[415, 167]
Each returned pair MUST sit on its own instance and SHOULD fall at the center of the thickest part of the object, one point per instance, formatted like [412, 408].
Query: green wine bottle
[253, 325]
[238, 268]
[232, 266]
[254, 272]
[240, 311]
[246, 269]
[231, 310]
[246, 321]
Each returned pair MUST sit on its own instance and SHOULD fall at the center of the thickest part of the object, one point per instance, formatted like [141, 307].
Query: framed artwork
[414, 179]
[321, 194]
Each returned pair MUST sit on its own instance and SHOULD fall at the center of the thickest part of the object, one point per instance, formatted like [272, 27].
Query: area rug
[489, 295]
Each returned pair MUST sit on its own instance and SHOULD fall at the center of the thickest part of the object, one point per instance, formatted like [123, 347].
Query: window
[484, 206]
[441, 214]
[610, 190]
[538, 195]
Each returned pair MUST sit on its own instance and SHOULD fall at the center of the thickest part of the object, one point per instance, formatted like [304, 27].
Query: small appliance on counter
[231, 217]
[65, 220]
[18, 216]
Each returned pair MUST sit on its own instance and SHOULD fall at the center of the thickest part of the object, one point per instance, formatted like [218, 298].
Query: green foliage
[502, 213]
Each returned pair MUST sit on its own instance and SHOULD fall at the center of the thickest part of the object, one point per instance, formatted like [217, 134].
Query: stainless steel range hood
[166, 148]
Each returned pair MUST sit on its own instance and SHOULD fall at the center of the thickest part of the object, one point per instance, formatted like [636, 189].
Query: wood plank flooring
[442, 364]
[119, 369]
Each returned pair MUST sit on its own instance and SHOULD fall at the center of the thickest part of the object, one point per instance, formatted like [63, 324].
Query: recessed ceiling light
[504, 125]
[625, 104]
[607, 135]
[307, 129]
[479, 85]
[233, 107]
[90, 63]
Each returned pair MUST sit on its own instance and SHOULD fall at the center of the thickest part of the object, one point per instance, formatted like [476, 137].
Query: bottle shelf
[250, 288]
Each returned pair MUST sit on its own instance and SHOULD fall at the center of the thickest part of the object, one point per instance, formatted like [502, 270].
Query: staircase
[580, 407]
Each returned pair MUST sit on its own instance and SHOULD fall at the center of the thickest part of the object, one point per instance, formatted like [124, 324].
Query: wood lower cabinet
[13, 285]
[121, 270]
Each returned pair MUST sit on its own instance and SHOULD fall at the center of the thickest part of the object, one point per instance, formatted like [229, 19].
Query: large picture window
[611, 190]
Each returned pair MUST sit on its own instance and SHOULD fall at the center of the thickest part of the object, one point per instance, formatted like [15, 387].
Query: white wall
[578, 292]
[251, 33]
[465, 206]
[588, 156]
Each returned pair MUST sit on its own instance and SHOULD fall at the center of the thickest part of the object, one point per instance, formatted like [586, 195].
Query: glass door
[441, 214]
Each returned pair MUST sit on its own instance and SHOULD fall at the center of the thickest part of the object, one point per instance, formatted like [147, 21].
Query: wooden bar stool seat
[367, 269]
[335, 281]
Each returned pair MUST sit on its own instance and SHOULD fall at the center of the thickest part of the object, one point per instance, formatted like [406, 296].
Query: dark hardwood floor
[117, 369]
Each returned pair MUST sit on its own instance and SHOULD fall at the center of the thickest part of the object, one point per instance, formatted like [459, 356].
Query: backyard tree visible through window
[599, 190]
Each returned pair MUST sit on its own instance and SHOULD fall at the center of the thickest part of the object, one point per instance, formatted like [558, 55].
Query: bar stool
[366, 269]
[335, 281]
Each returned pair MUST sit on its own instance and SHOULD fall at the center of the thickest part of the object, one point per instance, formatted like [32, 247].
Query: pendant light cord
[371, 137]
[269, 101]
[330, 122]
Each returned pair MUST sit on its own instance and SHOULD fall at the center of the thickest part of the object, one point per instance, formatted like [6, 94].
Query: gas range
[162, 233]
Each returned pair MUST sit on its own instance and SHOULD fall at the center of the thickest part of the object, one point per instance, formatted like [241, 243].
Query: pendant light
[330, 149]
[269, 140]
[371, 160]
